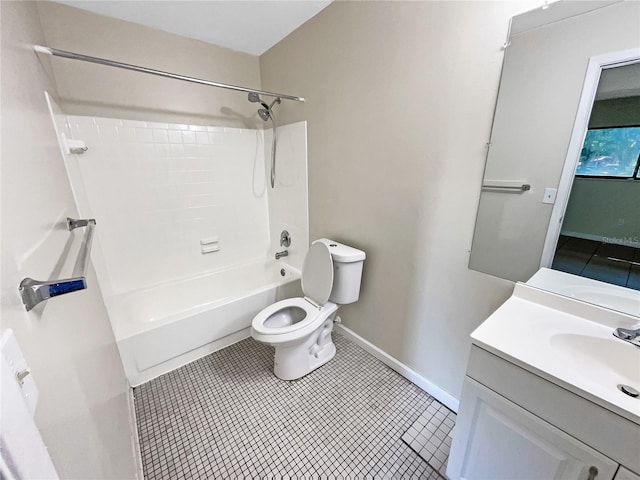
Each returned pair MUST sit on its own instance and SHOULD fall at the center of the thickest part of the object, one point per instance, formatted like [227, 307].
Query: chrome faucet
[628, 335]
[285, 239]
[281, 254]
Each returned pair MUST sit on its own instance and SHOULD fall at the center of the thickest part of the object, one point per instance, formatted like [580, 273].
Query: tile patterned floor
[431, 435]
[607, 262]
[227, 416]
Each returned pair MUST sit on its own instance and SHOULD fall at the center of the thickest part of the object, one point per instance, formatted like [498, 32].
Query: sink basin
[614, 359]
[568, 342]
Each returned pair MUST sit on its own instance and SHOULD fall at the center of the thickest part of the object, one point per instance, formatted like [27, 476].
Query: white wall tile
[202, 138]
[177, 150]
[188, 136]
[159, 125]
[144, 135]
[288, 201]
[160, 136]
[134, 123]
[156, 191]
[175, 136]
[108, 133]
[127, 134]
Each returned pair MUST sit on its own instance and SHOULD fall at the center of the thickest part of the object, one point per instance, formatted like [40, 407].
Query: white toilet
[300, 328]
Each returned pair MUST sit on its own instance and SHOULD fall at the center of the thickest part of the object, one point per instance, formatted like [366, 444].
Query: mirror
[600, 232]
[539, 102]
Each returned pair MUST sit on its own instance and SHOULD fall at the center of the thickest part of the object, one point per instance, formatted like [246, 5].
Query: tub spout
[281, 254]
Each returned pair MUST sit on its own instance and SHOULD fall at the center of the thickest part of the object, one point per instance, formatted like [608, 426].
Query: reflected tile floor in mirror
[611, 263]
[226, 415]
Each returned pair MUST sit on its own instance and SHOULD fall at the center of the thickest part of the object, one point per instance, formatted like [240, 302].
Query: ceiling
[247, 26]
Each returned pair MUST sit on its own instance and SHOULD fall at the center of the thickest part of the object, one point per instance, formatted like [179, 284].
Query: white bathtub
[161, 328]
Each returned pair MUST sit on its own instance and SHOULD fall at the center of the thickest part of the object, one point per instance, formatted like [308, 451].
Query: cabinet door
[496, 439]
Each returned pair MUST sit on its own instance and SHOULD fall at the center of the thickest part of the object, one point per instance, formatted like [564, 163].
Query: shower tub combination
[162, 328]
[189, 184]
[161, 323]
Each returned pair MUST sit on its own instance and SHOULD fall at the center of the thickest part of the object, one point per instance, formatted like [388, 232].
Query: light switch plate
[17, 363]
[550, 195]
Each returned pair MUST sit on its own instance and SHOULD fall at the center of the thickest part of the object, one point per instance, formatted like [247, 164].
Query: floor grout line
[227, 415]
[430, 436]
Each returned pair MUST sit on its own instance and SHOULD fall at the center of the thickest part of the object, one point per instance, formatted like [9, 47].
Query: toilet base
[297, 360]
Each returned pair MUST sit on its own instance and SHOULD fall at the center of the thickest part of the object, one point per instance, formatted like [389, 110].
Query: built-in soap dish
[72, 146]
[209, 245]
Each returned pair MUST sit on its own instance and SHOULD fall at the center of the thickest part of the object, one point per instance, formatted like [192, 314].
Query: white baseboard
[443, 397]
[135, 439]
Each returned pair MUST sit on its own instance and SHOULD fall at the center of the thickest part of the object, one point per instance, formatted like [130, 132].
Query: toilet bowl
[300, 328]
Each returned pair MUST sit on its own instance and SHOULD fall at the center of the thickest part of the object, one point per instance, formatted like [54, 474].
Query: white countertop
[569, 343]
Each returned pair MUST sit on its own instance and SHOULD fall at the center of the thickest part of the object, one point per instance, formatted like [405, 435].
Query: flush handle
[593, 473]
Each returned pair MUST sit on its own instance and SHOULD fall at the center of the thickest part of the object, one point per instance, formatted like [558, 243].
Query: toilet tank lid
[342, 253]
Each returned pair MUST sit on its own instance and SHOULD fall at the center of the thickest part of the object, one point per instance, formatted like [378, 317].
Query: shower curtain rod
[111, 63]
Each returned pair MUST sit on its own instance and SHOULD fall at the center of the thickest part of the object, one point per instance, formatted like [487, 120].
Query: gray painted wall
[400, 97]
[83, 411]
[607, 209]
[88, 89]
[604, 210]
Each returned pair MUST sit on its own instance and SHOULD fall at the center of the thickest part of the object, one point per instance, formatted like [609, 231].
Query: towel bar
[35, 291]
[508, 186]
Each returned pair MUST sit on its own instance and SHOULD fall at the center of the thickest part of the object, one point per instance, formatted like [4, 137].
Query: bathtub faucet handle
[285, 239]
[281, 254]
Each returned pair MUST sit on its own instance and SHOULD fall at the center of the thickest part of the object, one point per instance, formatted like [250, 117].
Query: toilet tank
[347, 271]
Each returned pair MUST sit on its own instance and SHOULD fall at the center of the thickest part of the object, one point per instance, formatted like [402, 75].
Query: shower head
[265, 114]
[255, 98]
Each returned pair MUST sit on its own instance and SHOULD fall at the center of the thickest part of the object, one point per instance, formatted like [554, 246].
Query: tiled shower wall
[288, 204]
[157, 189]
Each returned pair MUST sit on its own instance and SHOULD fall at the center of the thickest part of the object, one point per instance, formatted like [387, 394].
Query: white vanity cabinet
[496, 439]
[541, 400]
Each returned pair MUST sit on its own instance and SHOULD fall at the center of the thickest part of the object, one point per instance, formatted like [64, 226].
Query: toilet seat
[317, 282]
[313, 316]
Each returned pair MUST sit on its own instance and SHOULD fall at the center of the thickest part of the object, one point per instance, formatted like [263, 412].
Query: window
[610, 152]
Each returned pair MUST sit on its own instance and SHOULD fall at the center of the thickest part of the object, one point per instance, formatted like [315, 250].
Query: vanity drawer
[614, 436]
